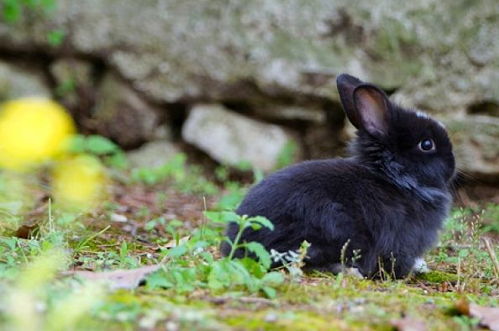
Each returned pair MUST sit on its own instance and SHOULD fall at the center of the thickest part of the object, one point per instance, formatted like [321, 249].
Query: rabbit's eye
[426, 145]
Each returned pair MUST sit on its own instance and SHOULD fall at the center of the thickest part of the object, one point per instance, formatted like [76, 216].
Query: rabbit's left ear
[346, 85]
[373, 109]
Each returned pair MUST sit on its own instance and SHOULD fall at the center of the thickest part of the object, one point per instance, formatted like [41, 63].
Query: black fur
[388, 199]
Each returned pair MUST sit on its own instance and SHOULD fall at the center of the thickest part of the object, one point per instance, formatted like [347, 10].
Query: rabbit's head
[407, 147]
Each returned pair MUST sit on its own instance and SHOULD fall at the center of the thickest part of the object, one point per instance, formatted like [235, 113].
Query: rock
[74, 80]
[190, 50]
[153, 154]
[17, 80]
[476, 146]
[323, 141]
[266, 53]
[122, 115]
[233, 139]
[290, 113]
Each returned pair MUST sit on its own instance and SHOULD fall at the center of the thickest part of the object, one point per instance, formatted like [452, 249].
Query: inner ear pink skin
[372, 107]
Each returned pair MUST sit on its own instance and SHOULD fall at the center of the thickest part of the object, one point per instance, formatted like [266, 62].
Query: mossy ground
[128, 232]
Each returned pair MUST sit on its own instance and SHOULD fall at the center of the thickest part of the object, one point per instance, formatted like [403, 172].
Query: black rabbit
[387, 201]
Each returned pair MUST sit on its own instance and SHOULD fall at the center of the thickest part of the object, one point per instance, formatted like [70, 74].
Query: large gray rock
[281, 58]
[441, 55]
[153, 154]
[476, 141]
[312, 113]
[18, 81]
[234, 139]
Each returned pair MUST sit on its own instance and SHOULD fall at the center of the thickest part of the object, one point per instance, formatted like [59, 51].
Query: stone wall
[260, 72]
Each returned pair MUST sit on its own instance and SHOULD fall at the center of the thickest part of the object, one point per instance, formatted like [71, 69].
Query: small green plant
[192, 265]
[65, 87]
[14, 9]
[170, 227]
[462, 248]
[125, 258]
[244, 222]
[491, 218]
[174, 168]
[56, 37]
[186, 178]
[292, 261]
[99, 146]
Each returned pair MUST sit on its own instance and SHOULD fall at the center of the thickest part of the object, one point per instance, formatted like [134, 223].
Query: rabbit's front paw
[420, 266]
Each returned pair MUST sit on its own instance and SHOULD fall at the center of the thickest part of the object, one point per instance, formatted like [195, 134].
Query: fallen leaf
[118, 279]
[173, 243]
[488, 316]
[409, 324]
[119, 218]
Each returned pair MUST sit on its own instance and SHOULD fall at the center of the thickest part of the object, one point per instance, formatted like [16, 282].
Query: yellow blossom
[78, 182]
[32, 130]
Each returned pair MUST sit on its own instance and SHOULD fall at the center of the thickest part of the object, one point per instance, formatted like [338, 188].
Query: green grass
[175, 216]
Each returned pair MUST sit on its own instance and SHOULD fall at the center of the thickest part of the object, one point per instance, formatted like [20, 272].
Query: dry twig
[493, 256]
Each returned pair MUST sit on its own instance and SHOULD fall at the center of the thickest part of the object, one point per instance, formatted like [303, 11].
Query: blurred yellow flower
[32, 130]
[78, 182]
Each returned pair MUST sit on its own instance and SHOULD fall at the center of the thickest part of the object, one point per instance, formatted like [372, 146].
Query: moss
[289, 320]
[438, 277]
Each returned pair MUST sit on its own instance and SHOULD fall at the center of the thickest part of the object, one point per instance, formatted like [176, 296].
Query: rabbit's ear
[372, 109]
[346, 85]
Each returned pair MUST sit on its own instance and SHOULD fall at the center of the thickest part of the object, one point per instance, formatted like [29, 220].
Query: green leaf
[100, 145]
[218, 276]
[253, 267]
[214, 216]
[148, 176]
[207, 257]
[222, 217]
[230, 216]
[200, 244]
[255, 226]
[150, 225]
[260, 251]
[177, 251]
[244, 166]
[158, 280]
[123, 249]
[117, 160]
[77, 144]
[96, 145]
[269, 292]
[11, 10]
[56, 37]
[65, 87]
[273, 278]
[262, 221]
[231, 199]
[184, 279]
[225, 273]
[241, 276]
